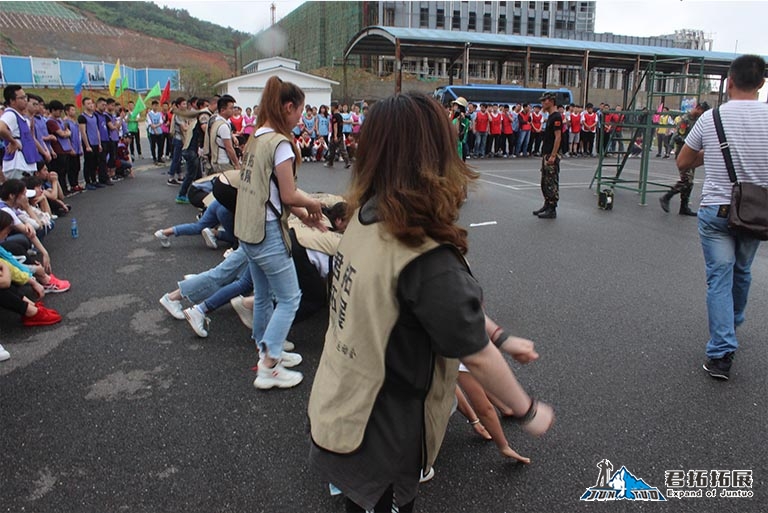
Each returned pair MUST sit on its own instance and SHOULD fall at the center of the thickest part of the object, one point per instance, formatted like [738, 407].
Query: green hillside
[165, 23]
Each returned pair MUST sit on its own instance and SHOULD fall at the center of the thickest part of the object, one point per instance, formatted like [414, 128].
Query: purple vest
[28, 148]
[113, 135]
[41, 130]
[77, 145]
[103, 130]
[65, 143]
[92, 130]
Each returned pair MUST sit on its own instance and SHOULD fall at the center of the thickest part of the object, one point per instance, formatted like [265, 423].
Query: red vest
[481, 122]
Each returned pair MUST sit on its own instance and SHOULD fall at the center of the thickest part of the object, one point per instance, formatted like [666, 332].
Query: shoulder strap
[724, 145]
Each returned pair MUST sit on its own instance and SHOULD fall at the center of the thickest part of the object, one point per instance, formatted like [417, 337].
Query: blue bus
[500, 94]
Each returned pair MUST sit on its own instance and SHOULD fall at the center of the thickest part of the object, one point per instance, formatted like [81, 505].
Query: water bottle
[75, 233]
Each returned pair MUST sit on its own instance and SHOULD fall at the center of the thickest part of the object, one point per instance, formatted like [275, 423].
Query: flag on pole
[122, 87]
[79, 88]
[138, 108]
[155, 91]
[659, 110]
[114, 78]
[166, 97]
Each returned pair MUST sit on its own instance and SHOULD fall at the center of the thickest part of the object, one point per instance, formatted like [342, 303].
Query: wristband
[501, 338]
[493, 335]
[529, 415]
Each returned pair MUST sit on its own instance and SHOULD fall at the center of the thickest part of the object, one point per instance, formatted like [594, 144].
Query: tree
[199, 81]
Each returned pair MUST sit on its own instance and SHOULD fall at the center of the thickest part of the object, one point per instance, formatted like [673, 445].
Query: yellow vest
[253, 192]
[363, 313]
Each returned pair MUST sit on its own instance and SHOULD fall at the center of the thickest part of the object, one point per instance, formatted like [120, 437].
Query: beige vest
[363, 312]
[312, 238]
[210, 147]
[253, 192]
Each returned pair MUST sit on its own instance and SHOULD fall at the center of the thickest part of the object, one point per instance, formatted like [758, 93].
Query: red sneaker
[56, 285]
[44, 317]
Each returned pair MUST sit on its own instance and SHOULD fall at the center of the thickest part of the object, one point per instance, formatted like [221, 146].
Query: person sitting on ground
[11, 298]
[319, 148]
[304, 143]
[12, 196]
[124, 166]
[52, 200]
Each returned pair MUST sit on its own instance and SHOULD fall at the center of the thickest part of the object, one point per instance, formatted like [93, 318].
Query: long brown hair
[407, 159]
[272, 111]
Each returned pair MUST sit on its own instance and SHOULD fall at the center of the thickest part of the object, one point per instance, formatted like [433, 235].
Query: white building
[247, 89]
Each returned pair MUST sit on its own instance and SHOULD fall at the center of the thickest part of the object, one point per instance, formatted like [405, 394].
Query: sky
[735, 26]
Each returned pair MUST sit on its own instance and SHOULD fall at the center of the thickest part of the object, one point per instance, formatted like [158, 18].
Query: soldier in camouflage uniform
[684, 186]
[550, 162]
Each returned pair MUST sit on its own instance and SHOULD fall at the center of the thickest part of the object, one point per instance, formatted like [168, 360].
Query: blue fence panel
[70, 72]
[17, 70]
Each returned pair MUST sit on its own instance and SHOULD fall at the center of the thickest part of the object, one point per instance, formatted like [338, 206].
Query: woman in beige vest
[266, 196]
[403, 308]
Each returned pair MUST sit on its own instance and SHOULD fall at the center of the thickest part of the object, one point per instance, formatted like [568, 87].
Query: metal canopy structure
[459, 46]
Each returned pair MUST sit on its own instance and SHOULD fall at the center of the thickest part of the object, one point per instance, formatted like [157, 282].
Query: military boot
[539, 211]
[686, 211]
[549, 213]
[664, 200]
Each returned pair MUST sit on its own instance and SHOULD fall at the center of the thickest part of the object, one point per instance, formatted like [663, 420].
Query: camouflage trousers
[684, 186]
[550, 181]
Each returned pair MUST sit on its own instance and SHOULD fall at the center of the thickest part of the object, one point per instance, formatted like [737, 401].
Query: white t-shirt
[746, 129]
[283, 152]
[224, 133]
[17, 165]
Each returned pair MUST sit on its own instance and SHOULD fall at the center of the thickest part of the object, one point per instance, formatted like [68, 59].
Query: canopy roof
[437, 44]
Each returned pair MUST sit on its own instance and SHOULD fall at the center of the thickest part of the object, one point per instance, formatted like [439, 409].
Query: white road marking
[485, 223]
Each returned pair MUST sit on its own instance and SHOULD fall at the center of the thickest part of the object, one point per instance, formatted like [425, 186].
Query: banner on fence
[45, 72]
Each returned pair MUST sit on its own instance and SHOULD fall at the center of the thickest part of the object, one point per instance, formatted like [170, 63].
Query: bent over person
[728, 255]
[403, 308]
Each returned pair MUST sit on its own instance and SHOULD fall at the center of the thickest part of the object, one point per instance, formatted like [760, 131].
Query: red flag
[166, 96]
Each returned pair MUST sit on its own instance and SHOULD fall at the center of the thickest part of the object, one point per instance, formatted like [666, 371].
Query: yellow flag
[115, 77]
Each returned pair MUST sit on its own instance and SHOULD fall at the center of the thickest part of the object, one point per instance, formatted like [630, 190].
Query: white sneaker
[198, 321]
[188, 276]
[277, 376]
[209, 238]
[288, 346]
[174, 307]
[245, 313]
[165, 241]
[290, 359]
[4, 355]
[428, 476]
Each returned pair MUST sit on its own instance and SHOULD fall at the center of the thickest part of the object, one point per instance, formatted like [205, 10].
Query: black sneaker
[172, 182]
[719, 368]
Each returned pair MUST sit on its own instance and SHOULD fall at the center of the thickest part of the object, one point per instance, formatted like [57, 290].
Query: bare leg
[466, 410]
[248, 302]
[487, 415]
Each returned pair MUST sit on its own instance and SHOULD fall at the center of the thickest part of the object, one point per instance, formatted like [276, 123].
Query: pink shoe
[56, 285]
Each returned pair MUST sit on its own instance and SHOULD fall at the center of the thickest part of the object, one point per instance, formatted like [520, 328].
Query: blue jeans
[522, 142]
[480, 139]
[272, 268]
[728, 259]
[242, 286]
[176, 158]
[193, 170]
[216, 214]
[198, 288]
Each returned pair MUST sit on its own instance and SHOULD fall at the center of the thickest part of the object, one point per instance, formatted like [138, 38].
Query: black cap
[704, 106]
[548, 96]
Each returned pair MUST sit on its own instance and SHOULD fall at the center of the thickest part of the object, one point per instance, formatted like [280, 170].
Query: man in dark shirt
[550, 163]
[337, 138]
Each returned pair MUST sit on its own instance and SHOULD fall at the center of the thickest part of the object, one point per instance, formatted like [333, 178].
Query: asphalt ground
[121, 408]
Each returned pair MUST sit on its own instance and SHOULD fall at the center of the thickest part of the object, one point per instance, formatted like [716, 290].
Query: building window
[502, 4]
[487, 22]
[544, 28]
[573, 6]
[516, 25]
[560, 6]
[613, 79]
[440, 20]
[559, 24]
[546, 6]
[472, 23]
[389, 17]
[456, 20]
[532, 6]
[583, 7]
[502, 24]
[531, 26]
[424, 17]
[571, 25]
[518, 4]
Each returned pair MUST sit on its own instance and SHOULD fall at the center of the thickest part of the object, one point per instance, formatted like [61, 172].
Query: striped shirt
[745, 123]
